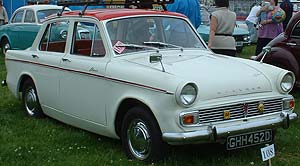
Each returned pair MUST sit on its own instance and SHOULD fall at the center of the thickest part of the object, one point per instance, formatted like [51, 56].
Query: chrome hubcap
[30, 101]
[139, 139]
[6, 47]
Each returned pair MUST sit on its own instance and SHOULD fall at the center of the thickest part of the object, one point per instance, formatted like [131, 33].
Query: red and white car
[146, 77]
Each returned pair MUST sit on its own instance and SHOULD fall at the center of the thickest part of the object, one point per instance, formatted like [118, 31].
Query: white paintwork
[91, 102]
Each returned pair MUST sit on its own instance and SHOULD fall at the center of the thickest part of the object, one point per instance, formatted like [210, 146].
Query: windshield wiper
[162, 44]
[136, 46]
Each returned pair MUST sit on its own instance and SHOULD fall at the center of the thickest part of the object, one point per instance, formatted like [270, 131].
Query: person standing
[287, 6]
[251, 22]
[222, 25]
[3, 14]
[190, 8]
[269, 29]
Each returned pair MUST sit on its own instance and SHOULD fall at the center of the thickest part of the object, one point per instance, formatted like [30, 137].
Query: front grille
[237, 110]
[238, 38]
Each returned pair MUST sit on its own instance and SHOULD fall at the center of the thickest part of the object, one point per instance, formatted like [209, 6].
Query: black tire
[5, 45]
[145, 143]
[30, 100]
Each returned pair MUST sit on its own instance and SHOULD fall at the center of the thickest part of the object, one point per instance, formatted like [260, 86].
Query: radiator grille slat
[237, 110]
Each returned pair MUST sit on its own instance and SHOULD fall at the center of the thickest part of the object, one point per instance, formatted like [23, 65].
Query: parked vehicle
[137, 80]
[241, 35]
[285, 49]
[25, 23]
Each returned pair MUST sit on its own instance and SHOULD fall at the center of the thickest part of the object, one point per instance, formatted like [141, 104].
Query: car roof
[40, 7]
[105, 14]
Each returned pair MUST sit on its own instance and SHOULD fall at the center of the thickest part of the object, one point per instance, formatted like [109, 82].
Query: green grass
[28, 141]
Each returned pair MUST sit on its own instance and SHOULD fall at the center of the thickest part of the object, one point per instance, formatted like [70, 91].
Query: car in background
[241, 35]
[285, 49]
[134, 79]
[23, 26]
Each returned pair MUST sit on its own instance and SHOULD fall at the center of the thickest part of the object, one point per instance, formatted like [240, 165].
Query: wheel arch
[22, 79]
[124, 107]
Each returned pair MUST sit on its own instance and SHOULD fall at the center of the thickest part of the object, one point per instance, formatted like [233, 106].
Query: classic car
[25, 23]
[138, 80]
[241, 35]
[285, 49]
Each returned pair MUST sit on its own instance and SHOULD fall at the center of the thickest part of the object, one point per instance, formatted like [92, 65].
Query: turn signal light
[191, 118]
[292, 103]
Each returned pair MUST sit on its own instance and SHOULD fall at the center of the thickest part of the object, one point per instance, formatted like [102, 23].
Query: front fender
[283, 58]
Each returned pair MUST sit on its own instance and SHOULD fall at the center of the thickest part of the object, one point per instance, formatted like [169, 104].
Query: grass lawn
[28, 141]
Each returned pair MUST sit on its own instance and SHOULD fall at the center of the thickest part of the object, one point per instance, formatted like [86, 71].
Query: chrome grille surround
[216, 114]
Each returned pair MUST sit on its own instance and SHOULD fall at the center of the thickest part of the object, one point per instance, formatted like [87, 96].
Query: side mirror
[155, 58]
[267, 49]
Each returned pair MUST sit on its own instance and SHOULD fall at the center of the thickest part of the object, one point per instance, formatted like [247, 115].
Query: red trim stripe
[93, 75]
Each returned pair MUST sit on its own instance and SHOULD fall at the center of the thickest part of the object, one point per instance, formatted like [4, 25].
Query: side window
[87, 40]
[54, 38]
[18, 17]
[29, 16]
[296, 30]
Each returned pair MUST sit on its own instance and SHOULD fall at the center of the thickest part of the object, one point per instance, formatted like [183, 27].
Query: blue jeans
[252, 31]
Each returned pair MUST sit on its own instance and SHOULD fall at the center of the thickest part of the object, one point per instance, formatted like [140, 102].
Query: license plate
[249, 139]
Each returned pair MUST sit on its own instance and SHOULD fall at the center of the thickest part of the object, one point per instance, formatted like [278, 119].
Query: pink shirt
[271, 30]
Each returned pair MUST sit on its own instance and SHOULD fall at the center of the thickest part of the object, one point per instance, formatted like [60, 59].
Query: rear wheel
[141, 136]
[30, 99]
[5, 46]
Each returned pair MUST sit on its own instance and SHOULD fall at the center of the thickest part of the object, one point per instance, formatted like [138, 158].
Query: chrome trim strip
[96, 75]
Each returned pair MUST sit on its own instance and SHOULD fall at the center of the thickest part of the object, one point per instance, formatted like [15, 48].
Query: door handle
[291, 44]
[34, 56]
[65, 59]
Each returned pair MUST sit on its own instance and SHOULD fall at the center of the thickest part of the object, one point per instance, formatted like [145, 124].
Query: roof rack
[86, 3]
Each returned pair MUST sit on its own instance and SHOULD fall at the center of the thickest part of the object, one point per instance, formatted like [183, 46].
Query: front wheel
[141, 136]
[30, 99]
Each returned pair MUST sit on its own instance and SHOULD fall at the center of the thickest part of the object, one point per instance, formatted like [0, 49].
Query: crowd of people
[261, 24]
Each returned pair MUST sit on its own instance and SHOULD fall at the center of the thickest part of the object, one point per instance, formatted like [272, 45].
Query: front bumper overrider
[214, 133]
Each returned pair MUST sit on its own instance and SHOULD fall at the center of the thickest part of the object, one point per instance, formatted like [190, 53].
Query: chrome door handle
[34, 56]
[291, 44]
[65, 59]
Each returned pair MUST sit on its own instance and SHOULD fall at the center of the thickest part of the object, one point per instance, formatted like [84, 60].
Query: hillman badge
[261, 107]
[227, 114]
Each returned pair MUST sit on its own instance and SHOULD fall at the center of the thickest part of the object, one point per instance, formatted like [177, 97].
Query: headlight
[187, 95]
[246, 37]
[287, 82]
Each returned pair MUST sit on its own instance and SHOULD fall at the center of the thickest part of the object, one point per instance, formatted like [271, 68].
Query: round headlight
[287, 82]
[188, 94]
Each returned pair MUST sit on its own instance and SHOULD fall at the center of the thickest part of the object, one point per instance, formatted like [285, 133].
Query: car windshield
[43, 14]
[158, 32]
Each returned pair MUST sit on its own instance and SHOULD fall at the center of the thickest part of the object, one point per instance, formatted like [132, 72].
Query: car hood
[215, 75]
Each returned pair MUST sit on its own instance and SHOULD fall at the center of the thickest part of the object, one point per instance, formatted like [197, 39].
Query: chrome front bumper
[214, 133]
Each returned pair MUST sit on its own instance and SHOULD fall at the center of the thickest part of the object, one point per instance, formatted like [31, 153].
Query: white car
[146, 77]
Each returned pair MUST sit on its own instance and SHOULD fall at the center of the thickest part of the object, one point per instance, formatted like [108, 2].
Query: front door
[83, 85]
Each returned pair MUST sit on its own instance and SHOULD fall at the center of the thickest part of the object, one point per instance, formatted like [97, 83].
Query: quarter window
[29, 16]
[87, 40]
[54, 38]
[18, 17]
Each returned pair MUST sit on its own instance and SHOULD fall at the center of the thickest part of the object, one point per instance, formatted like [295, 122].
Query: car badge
[261, 107]
[226, 114]
[245, 109]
